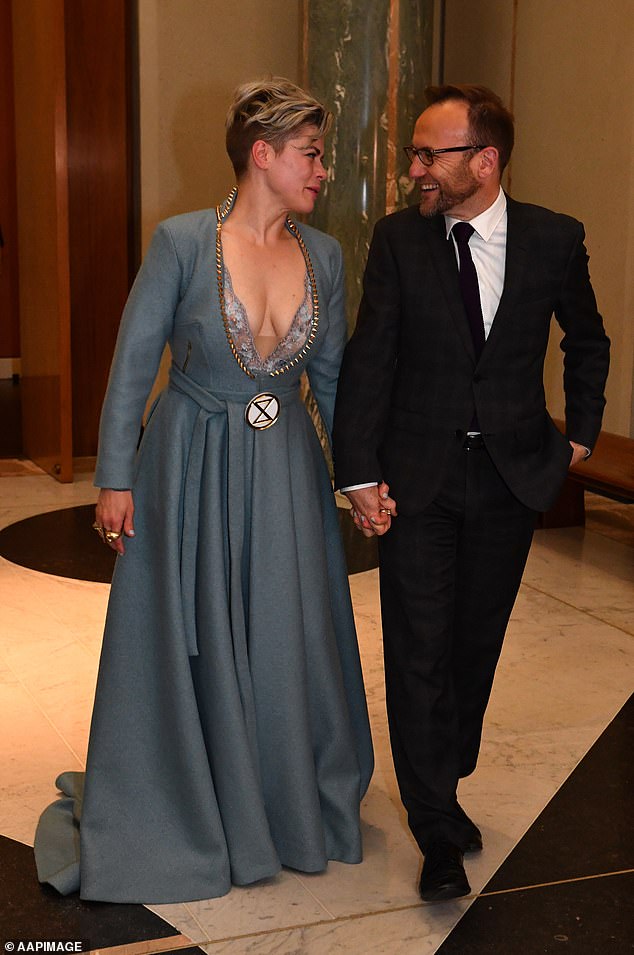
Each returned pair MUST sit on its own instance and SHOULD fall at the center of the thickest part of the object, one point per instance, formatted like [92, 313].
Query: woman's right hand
[114, 512]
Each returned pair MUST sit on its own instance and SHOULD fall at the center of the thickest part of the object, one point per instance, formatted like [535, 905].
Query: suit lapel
[516, 263]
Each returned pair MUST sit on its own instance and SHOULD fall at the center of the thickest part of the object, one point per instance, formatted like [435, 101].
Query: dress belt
[215, 402]
[231, 404]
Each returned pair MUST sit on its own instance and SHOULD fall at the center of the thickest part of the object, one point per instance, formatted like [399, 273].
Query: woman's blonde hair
[272, 110]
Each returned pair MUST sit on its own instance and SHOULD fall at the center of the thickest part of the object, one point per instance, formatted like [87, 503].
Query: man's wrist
[358, 487]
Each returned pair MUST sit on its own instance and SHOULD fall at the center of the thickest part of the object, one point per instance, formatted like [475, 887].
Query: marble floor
[550, 785]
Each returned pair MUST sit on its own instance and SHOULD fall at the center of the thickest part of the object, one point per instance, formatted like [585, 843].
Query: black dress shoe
[443, 875]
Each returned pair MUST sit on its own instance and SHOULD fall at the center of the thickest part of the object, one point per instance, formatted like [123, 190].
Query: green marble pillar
[369, 62]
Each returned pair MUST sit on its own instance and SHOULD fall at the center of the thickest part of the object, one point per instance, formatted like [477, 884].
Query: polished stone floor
[553, 792]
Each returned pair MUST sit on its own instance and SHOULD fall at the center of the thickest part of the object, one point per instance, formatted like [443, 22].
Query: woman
[230, 733]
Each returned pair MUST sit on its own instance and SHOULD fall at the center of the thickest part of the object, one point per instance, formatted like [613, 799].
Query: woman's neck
[256, 216]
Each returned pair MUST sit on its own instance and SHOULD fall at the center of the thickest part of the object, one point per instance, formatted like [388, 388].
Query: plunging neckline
[281, 363]
[298, 327]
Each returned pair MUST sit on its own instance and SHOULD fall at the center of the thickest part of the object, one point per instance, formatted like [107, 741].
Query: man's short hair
[490, 122]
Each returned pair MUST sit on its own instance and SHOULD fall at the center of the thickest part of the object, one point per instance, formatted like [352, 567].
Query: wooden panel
[610, 467]
[609, 470]
[97, 83]
[568, 510]
[9, 321]
[42, 202]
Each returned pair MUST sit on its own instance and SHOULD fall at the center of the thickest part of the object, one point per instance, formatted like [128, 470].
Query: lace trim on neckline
[242, 335]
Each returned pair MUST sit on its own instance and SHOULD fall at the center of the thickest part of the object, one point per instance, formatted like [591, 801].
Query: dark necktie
[469, 284]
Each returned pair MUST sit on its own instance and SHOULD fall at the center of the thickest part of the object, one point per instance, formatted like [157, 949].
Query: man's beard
[449, 195]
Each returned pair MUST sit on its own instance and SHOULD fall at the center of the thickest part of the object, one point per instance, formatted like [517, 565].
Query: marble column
[369, 62]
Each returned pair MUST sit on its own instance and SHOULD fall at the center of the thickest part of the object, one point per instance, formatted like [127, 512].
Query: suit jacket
[410, 382]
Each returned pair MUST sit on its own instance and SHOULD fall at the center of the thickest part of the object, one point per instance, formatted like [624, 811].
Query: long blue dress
[230, 734]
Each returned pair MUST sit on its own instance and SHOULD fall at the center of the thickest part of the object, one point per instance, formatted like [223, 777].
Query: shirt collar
[486, 223]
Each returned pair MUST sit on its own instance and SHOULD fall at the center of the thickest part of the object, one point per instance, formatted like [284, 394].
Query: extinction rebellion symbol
[262, 411]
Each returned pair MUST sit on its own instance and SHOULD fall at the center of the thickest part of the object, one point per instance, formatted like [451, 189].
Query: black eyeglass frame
[430, 154]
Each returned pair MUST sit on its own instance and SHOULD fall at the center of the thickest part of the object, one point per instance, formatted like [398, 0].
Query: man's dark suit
[408, 391]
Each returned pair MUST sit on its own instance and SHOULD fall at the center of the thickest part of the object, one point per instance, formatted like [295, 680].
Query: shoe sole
[445, 893]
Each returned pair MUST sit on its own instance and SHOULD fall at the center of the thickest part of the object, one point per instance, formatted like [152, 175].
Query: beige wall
[567, 71]
[479, 43]
[571, 86]
[193, 53]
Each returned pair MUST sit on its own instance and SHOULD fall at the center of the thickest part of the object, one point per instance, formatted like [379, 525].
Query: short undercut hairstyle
[490, 122]
[273, 110]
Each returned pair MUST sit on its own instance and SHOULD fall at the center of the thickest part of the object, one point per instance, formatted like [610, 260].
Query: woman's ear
[262, 153]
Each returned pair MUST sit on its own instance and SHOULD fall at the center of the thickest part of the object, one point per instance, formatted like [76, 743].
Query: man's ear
[488, 162]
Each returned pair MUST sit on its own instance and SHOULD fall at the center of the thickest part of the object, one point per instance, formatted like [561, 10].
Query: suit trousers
[449, 577]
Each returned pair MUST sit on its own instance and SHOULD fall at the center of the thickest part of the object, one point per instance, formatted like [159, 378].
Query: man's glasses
[427, 156]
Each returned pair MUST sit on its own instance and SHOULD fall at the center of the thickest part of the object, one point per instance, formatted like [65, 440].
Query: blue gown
[230, 734]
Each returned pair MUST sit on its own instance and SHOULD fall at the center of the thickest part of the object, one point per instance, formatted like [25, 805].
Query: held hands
[114, 513]
[372, 509]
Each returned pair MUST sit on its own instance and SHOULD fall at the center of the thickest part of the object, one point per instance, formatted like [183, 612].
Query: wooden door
[101, 164]
[42, 205]
[9, 319]
[77, 197]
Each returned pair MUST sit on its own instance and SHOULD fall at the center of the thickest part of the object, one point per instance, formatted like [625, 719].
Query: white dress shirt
[488, 251]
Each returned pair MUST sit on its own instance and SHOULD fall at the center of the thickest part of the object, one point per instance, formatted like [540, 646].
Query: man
[441, 411]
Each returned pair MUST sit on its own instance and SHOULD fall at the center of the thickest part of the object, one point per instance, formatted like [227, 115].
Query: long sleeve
[323, 369]
[586, 349]
[145, 328]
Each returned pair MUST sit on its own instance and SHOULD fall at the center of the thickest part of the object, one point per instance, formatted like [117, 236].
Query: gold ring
[110, 536]
[384, 510]
[98, 527]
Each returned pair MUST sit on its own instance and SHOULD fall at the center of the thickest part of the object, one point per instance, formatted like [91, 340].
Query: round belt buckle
[262, 411]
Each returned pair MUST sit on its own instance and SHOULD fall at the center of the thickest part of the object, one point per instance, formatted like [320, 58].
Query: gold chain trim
[222, 211]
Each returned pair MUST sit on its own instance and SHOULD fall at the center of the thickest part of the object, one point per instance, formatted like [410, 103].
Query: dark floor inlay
[589, 917]
[64, 543]
[29, 910]
[59, 542]
[586, 828]
[583, 835]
